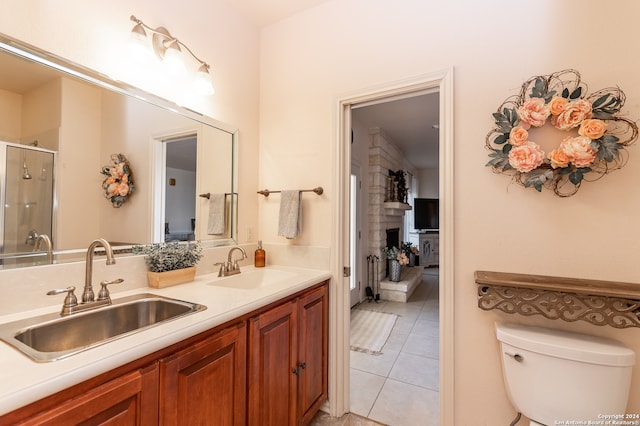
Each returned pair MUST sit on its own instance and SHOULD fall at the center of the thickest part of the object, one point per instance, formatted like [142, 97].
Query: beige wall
[494, 46]
[307, 62]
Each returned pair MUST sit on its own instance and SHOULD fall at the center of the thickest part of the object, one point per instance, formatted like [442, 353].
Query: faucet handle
[70, 301]
[104, 291]
[223, 268]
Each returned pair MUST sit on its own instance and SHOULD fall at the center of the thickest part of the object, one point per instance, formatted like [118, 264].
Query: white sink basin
[254, 278]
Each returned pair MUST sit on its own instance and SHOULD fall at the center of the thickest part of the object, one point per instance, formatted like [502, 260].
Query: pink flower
[123, 189]
[518, 136]
[402, 258]
[592, 128]
[112, 189]
[578, 150]
[526, 157]
[534, 112]
[557, 105]
[572, 115]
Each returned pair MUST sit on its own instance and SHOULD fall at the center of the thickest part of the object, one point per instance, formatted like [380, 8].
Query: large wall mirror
[61, 124]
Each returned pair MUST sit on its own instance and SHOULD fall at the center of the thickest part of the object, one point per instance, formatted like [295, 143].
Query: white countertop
[23, 380]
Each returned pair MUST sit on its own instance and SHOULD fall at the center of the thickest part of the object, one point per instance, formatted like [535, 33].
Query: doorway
[180, 188]
[339, 358]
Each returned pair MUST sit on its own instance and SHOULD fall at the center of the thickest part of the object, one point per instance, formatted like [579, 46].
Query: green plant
[162, 257]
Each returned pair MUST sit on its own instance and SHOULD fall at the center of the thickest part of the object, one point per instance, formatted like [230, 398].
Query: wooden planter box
[169, 278]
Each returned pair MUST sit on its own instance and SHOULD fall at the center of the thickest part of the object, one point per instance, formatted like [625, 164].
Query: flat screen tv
[426, 214]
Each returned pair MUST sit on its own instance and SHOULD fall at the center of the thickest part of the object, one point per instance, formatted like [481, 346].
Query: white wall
[343, 46]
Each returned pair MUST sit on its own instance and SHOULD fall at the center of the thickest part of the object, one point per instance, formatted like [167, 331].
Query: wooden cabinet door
[273, 367]
[131, 399]
[206, 383]
[312, 356]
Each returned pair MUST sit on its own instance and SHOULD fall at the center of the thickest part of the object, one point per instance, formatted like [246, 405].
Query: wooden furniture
[429, 249]
[203, 379]
[206, 382]
[288, 361]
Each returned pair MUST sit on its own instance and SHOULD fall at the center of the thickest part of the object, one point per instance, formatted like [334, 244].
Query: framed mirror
[61, 125]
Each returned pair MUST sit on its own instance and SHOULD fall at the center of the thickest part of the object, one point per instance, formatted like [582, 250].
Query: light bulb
[203, 81]
[172, 60]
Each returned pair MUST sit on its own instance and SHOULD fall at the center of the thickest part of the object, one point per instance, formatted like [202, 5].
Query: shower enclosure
[27, 196]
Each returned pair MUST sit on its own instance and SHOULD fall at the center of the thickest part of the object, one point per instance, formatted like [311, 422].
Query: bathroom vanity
[256, 355]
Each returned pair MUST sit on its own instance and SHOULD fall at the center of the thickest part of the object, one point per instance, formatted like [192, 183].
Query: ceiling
[411, 123]
[267, 12]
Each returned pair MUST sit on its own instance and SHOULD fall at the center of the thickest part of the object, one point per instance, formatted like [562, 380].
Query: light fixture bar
[163, 38]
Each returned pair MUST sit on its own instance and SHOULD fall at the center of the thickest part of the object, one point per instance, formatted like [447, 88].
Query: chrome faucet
[44, 239]
[231, 267]
[87, 294]
[70, 304]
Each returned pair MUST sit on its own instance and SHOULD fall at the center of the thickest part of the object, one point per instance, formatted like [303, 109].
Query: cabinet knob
[296, 372]
[303, 365]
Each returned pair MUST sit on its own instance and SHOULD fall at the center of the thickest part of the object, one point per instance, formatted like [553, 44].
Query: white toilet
[554, 376]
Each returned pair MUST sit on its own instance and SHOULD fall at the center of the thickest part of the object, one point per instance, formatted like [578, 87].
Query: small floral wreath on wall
[118, 185]
[595, 141]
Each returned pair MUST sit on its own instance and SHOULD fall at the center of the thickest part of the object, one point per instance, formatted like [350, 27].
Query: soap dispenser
[260, 256]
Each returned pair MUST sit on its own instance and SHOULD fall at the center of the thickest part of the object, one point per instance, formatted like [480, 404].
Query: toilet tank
[554, 376]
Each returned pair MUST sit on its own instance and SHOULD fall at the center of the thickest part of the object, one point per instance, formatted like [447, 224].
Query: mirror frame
[26, 51]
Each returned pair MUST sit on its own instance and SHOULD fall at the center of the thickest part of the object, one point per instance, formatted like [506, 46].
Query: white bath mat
[370, 330]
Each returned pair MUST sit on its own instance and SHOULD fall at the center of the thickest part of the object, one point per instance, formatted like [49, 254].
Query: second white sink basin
[254, 278]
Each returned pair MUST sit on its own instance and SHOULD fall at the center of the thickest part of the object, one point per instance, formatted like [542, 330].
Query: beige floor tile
[427, 346]
[402, 404]
[417, 370]
[364, 390]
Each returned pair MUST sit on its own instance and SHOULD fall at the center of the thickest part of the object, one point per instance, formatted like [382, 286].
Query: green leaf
[537, 179]
[576, 177]
[609, 148]
[506, 148]
[539, 88]
[549, 96]
[565, 93]
[501, 139]
[600, 100]
[576, 93]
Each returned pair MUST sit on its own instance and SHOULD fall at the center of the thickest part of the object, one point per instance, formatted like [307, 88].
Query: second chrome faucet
[231, 267]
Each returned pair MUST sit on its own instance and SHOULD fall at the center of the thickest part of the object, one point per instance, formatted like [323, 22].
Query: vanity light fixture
[168, 48]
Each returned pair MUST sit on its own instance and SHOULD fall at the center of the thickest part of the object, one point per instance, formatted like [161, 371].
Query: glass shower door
[27, 189]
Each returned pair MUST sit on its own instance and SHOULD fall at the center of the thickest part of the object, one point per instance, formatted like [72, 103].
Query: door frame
[339, 303]
[357, 269]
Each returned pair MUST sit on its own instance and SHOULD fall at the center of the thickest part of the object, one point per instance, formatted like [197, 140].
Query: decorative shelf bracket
[569, 299]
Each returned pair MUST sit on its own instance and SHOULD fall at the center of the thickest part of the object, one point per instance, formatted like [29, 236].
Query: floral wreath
[118, 185]
[597, 148]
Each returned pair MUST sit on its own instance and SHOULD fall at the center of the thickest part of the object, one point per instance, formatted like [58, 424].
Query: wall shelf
[612, 303]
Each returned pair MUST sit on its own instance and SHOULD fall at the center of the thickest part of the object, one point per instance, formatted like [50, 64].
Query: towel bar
[208, 195]
[317, 190]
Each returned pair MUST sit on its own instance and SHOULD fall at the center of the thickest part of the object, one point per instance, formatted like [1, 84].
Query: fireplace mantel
[394, 208]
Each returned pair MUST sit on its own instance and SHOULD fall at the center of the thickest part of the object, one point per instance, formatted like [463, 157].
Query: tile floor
[401, 386]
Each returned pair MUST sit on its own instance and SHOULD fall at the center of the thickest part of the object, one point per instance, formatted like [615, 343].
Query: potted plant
[170, 263]
[396, 258]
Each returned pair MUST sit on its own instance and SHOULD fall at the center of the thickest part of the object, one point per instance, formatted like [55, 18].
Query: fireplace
[393, 237]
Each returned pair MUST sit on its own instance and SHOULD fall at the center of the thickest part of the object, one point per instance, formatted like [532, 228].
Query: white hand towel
[290, 220]
[217, 217]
